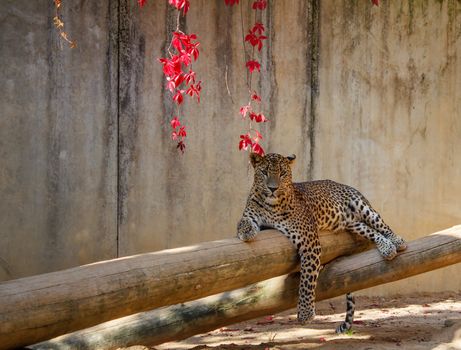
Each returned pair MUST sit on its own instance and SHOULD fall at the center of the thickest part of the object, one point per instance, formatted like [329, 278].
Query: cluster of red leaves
[179, 133]
[180, 78]
[255, 37]
[180, 5]
[250, 141]
[180, 82]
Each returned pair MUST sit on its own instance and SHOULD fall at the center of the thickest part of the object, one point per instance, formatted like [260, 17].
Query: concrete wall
[390, 115]
[365, 95]
[58, 145]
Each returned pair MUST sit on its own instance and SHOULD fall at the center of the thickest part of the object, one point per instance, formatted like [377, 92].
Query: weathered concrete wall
[369, 96]
[389, 115]
[57, 139]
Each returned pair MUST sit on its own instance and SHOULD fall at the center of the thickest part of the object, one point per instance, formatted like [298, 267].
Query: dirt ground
[418, 322]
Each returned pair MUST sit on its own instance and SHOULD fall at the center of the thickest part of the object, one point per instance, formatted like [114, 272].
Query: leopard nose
[272, 189]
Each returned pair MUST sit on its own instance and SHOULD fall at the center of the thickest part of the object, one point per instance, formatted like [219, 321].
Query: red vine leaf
[245, 141]
[194, 90]
[231, 2]
[178, 98]
[258, 118]
[375, 2]
[258, 28]
[255, 40]
[244, 110]
[259, 5]
[259, 150]
[252, 65]
[257, 137]
[255, 97]
[175, 123]
[190, 77]
[181, 5]
[141, 3]
[181, 146]
[181, 133]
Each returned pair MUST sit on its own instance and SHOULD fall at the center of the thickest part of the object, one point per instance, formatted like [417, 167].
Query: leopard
[300, 210]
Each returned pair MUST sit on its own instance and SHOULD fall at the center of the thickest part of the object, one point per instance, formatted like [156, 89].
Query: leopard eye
[264, 172]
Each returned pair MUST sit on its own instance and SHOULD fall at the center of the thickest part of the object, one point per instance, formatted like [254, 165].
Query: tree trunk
[36, 308]
[274, 295]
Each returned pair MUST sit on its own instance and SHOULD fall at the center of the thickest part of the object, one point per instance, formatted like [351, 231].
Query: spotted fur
[300, 211]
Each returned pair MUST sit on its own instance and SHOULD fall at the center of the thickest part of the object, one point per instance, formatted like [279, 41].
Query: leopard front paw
[245, 230]
[387, 249]
[399, 243]
[306, 314]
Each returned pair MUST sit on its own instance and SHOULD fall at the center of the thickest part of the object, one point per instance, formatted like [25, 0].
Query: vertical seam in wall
[314, 48]
[118, 128]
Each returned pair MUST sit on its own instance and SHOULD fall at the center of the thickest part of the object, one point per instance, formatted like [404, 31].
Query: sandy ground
[418, 322]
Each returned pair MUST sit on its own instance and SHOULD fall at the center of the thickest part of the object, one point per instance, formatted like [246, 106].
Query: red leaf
[260, 43]
[322, 340]
[172, 66]
[375, 2]
[141, 3]
[194, 51]
[254, 39]
[178, 98]
[181, 146]
[189, 77]
[258, 28]
[231, 2]
[259, 5]
[245, 142]
[255, 97]
[258, 118]
[259, 150]
[252, 65]
[244, 110]
[179, 79]
[185, 58]
[181, 5]
[195, 90]
[175, 122]
[257, 137]
[182, 132]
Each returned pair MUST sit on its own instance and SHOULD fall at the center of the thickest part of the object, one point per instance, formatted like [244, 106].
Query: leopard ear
[255, 159]
[291, 158]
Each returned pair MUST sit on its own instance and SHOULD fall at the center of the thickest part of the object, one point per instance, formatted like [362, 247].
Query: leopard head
[272, 176]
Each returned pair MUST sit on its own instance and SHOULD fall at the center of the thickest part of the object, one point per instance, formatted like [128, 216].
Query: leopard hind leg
[350, 309]
[371, 217]
[384, 245]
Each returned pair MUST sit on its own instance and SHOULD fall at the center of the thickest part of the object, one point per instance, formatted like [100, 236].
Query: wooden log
[41, 307]
[274, 295]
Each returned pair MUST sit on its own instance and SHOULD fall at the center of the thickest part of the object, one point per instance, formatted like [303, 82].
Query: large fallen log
[41, 307]
[274, 295]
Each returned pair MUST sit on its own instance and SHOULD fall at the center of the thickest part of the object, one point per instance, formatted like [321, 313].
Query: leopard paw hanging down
[300, 210]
